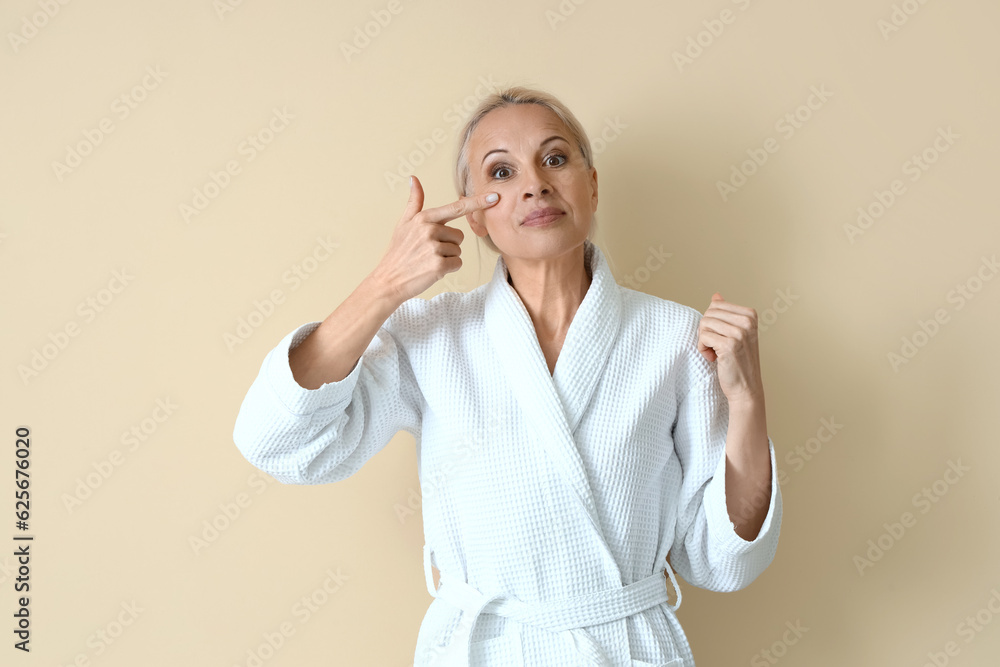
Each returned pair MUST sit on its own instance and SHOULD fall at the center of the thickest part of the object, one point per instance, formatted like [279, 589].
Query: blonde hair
[509, 97]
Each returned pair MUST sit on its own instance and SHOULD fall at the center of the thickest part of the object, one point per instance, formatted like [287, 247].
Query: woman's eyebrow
[504, 150]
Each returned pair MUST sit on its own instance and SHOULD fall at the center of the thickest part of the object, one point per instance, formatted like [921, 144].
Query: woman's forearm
[332, 350]
[748, 468]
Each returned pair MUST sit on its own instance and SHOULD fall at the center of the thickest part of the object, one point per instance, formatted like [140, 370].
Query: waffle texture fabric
[550, 501]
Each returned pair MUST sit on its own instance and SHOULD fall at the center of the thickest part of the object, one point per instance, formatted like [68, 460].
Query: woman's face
[512, 152]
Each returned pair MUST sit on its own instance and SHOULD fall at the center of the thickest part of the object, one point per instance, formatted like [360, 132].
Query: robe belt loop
[673, 580]
[428, 577]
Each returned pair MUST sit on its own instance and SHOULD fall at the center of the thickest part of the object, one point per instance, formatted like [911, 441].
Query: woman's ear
[593, 180]
[476, 223]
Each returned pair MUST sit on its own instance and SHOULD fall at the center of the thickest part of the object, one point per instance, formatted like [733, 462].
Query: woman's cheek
[494, 214]
[502, 208]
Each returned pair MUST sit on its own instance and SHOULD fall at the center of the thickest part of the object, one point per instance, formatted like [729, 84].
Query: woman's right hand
[423, 248]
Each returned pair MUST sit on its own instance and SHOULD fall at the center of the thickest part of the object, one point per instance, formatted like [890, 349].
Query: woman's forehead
[520, 123]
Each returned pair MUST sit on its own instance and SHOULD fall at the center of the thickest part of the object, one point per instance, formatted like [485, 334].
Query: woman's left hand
[727, 333]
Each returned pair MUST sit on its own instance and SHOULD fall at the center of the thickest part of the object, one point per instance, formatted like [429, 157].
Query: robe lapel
[589, 340]
[554, 404]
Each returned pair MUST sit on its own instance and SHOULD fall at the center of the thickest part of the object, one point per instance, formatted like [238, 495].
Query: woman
[570, 432]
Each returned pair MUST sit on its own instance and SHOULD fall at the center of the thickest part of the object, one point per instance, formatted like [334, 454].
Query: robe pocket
[503, 650]
[676, 662]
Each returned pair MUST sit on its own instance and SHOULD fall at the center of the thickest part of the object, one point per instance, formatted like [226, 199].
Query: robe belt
[568, 615]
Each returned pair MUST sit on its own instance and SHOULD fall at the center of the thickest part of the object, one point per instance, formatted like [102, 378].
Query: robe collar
[553, 404]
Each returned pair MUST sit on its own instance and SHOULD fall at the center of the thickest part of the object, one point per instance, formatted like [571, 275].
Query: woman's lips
[542, 217]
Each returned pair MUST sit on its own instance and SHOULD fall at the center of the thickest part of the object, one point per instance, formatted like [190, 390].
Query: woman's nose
[536, 182]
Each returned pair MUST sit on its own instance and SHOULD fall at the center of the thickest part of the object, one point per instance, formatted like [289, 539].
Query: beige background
[681, 129]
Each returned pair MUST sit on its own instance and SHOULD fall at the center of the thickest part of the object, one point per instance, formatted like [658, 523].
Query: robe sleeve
[706, 550]
[323, 435]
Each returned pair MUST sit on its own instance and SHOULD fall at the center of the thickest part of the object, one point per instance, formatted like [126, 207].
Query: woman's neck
[551, 289]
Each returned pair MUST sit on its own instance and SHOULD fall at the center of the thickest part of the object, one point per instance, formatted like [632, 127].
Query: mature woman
[570, 432]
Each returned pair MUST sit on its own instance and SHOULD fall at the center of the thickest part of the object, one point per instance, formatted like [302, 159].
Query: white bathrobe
[550, 502]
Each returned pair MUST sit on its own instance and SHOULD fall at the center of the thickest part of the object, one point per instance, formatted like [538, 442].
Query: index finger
[460, 207]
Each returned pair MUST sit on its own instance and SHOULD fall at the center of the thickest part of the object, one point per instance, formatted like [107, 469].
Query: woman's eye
[505, 168]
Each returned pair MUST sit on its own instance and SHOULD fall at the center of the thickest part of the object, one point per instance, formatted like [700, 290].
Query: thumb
[719, 297]
[416, 200]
